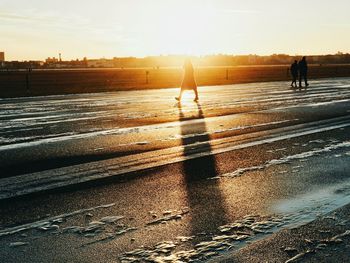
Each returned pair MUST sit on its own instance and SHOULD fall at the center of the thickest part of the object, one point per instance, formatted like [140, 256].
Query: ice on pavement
[298, 257]
[317, 245]
[18, 244]
[169, 215]
[7, 143]
[227, 238]
[103, 229]
[286, 159]
[111, 219]
[21, 115]
[48, 222]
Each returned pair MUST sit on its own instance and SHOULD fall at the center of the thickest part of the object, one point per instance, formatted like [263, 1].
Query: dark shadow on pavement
[205, 200]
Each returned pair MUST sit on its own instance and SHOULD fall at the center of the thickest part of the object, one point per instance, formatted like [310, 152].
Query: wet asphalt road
[247, 160]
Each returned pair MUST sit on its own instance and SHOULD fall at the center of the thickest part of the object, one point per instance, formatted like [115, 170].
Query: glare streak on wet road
[181, 182]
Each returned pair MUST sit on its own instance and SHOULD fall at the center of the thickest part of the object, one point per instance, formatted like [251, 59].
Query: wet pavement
[135, 177]
[327, 239]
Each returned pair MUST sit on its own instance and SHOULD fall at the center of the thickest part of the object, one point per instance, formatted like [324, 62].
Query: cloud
[56, 20]
[340, 25]
[15, 17]
[46, 17]
[239, 11]
[33, 23]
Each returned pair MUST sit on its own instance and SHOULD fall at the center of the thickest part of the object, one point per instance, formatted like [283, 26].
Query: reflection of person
[302, 65]
[294, 72]
[188, 82]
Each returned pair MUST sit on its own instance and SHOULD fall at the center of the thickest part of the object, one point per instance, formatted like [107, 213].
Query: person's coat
[188, 82]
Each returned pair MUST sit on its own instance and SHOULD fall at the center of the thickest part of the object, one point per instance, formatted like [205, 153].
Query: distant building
[252, 59]
[51, 60]
[2, 56]
[100, 63]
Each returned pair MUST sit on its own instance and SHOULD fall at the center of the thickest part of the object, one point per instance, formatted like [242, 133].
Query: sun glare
[188, 34]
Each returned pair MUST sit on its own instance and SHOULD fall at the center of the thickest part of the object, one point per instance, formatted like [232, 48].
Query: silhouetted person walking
[294, 71]
[302, 65]
[188, 82]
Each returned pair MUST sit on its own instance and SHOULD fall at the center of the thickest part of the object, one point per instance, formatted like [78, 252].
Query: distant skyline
[37, 29]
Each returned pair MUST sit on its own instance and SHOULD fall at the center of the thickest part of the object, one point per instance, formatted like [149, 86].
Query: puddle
[307, 207]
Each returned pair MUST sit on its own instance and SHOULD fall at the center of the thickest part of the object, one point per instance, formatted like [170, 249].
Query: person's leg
[300, 76]
[180, 96]
[294, 82]
[196, 93]
[305, 78]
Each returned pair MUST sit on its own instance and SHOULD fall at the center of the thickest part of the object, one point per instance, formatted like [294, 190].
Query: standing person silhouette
[294, 71]
[188, 82]
[302, 65]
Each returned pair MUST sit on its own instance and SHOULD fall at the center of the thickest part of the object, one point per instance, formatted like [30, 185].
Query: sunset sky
[37, 29]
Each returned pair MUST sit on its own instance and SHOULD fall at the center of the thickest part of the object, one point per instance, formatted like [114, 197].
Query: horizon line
[182, 55]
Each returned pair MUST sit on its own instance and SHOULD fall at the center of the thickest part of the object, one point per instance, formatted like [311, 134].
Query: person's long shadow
[204, 197]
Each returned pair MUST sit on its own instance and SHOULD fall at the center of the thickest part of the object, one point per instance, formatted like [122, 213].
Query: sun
[189, 33]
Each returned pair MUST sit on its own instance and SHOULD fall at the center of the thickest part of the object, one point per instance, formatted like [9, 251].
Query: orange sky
[109, 28]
